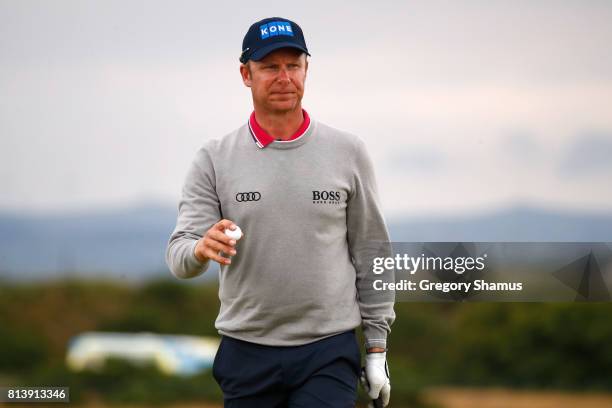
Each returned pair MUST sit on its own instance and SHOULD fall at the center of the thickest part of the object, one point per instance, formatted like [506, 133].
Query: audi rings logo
[251, 196]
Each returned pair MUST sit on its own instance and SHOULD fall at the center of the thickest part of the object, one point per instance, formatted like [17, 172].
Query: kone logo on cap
[275, 28]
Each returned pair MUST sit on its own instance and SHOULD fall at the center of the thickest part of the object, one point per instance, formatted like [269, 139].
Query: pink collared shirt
[262, 138]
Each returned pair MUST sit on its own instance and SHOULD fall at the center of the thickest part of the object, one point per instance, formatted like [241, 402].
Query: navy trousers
[320, 374]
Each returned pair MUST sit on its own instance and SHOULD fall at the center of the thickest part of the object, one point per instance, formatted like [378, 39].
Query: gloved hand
[375, 378]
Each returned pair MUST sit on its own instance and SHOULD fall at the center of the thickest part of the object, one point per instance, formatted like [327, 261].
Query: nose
[283, 76]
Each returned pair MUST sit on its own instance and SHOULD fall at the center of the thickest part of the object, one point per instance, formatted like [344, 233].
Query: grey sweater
[308, 208]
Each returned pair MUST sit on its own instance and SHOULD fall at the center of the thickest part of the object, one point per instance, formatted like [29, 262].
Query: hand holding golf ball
[234, 234]
[218, 243]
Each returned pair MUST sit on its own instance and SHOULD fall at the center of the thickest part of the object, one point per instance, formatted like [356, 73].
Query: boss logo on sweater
[325, 197]
[250, 196]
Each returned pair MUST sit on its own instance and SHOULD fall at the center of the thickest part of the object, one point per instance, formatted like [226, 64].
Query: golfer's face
[277, 81]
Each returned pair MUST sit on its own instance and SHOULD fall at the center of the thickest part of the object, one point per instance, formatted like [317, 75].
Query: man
[293, 289]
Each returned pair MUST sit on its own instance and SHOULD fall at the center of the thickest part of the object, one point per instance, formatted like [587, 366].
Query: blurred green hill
[528, 345]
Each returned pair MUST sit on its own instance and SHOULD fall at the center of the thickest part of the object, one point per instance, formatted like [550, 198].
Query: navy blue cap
[271, 34]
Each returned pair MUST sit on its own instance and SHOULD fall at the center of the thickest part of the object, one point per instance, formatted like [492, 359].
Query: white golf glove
[375, 378]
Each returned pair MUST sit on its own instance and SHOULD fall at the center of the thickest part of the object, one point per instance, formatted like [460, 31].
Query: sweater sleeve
[198, 210]
[368, 237]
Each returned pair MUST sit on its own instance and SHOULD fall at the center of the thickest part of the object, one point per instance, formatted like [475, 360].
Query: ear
[245, 73]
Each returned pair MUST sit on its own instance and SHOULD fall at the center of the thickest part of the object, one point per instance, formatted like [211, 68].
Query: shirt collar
[262, 138]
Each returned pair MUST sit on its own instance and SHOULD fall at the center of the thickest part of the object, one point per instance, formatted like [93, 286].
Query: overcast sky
[465, 105]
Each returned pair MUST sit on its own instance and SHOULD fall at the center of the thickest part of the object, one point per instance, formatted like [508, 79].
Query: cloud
[522, 147]
[421, 160]
[590, 154]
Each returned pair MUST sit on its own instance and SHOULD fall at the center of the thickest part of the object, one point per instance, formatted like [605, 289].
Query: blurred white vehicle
[173, 355]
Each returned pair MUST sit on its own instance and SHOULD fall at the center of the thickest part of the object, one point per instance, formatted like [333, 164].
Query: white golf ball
[235, 234]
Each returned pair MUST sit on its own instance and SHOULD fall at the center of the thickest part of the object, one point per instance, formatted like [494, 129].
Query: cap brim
[262, 52]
